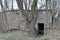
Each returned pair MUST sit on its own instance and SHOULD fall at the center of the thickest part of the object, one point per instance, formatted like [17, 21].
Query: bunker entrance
[40, 28]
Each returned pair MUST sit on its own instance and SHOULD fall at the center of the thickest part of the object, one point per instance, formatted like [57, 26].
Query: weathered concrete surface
[45, 18]
[16, 20]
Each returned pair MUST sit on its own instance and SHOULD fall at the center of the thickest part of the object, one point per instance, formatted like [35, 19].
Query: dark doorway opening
[40, 28]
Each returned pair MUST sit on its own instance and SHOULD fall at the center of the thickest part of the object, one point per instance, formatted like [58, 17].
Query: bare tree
[4, 18]
[29, 24]
[54, 11]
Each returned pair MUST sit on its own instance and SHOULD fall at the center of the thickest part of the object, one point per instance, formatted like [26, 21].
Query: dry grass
[18, 35]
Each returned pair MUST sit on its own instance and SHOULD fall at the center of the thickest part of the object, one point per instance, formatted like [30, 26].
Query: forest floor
[18, 35]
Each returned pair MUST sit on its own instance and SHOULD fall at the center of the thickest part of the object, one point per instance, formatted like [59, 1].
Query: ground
[53, 33]
[18, 35]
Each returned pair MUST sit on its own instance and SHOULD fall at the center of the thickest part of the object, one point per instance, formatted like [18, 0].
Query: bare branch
[20, 5]
[34, 4]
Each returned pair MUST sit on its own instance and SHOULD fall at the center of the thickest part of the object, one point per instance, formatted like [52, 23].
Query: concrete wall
[45, 18]
[16, 20]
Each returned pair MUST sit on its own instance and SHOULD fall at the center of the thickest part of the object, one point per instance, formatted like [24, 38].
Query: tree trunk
[4, 17]
[32, 28]
[29, 24]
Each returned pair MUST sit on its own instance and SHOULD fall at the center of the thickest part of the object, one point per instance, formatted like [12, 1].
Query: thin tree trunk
[5, 22]
[27, 26]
